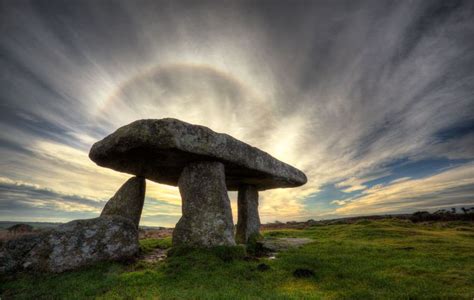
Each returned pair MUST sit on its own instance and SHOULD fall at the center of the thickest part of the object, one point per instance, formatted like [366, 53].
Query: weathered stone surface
[127, 201]
[207, 215]
[248, 223]
[160, 149]
[71, 245]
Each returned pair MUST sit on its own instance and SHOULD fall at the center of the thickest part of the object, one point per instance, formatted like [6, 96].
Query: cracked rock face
[207, 215]
[71, 245]
[160, 149]
[127, 201]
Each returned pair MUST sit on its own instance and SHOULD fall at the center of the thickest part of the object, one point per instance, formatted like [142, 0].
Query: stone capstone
[71, 245]
[127, 201]
[159, 150]
[248, 223]
[207, 216]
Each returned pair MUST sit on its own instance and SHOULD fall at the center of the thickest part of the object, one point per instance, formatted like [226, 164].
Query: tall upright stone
[207, 214]
[127, 201]
[248, 223]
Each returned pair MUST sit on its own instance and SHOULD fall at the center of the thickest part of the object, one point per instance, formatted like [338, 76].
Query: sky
[373, 100]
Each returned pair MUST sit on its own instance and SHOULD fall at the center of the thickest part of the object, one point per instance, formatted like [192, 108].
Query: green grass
[386, 259]
[147, 245]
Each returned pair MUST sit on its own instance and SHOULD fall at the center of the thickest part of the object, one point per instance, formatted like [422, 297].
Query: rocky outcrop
[160, 149]
[127, 201]
[71, 245]
[248, 224]
[207, 215]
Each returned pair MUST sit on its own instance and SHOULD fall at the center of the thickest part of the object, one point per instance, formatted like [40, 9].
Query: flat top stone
[159, 150]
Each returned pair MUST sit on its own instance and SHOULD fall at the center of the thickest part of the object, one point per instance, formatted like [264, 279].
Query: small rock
[263, 267]
[406, 248]
[303, 273]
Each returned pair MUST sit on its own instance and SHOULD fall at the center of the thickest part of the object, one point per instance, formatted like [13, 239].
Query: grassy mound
[388, 259]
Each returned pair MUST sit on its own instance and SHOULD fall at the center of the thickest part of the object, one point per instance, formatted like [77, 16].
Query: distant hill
[463, 214]
[36, 225]
[44, 225]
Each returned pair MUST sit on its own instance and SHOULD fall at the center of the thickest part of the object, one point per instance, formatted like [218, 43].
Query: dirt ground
[146, 233]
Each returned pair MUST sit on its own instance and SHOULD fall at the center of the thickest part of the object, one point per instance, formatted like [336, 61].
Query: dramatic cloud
[451, 188]
[364, 96]
[16, 198]
[31, 202]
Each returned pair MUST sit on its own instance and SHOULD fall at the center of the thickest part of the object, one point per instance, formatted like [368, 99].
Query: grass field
[388, 259]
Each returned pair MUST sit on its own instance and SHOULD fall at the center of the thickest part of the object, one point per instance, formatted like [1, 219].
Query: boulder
[207, 215]
[71, 245]
[127, 201]
[159, 150]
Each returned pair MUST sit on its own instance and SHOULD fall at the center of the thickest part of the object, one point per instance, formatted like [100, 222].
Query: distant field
[381, 259]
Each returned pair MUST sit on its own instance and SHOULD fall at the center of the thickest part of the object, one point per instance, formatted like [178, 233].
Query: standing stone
[248, 223]
[127, 201]
[207, 215]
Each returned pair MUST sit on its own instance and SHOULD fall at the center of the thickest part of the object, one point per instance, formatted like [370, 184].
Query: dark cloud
[452, 197]
[21, 199]
[18, 196]
[339, 88]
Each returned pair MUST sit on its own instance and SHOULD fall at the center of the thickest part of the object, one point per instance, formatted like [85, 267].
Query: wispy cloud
[451, 188]
[338, 89]
[18, 199]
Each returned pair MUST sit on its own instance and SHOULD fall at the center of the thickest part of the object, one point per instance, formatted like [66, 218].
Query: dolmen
[204, 165]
